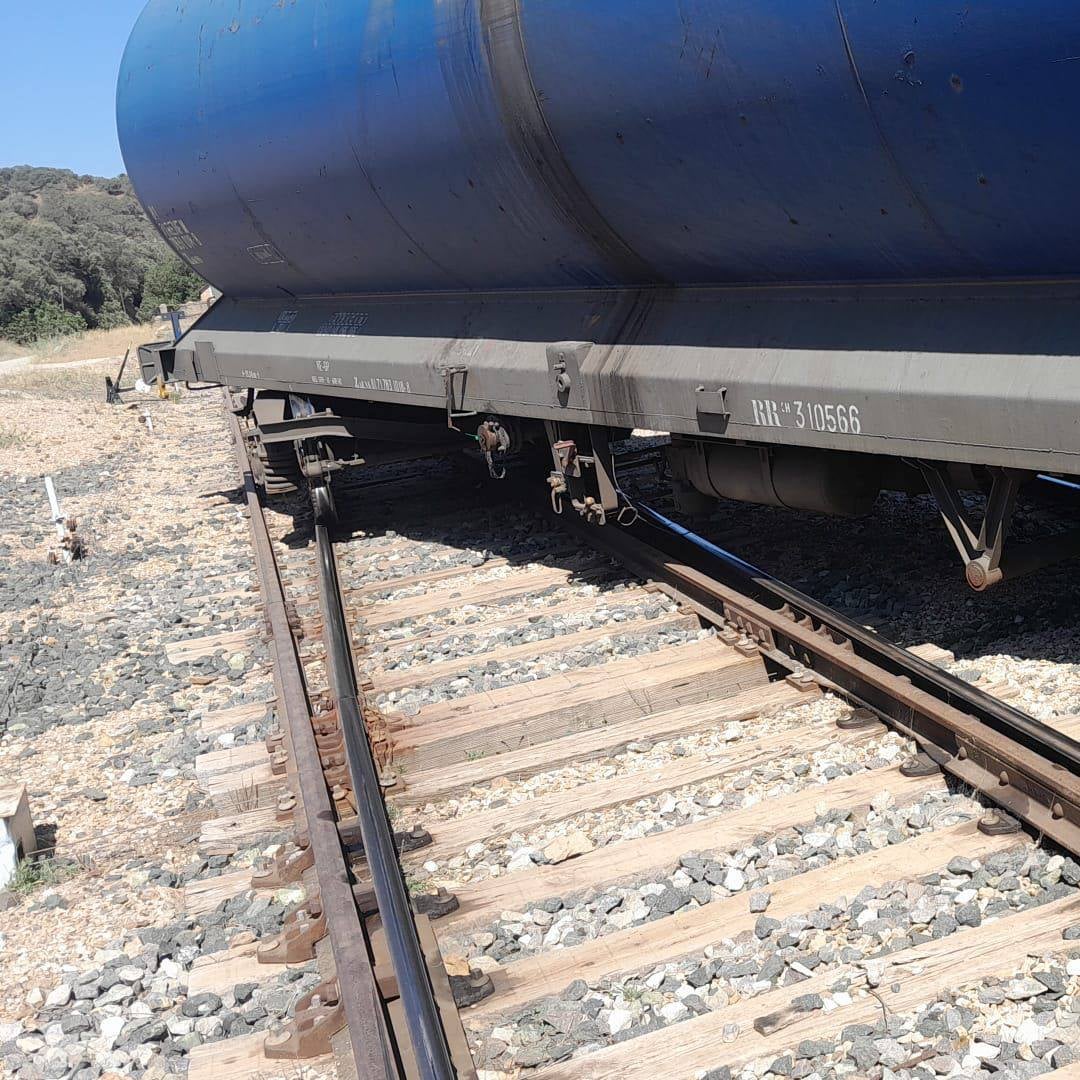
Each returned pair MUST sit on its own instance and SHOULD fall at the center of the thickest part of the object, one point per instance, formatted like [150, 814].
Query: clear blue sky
[58, 65]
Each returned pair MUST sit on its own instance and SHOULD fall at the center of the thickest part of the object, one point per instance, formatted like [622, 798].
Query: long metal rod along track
[359, 992]
[428, 1038]
[1018, 762]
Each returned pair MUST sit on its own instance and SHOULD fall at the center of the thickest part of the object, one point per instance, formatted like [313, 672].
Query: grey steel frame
[980, 373]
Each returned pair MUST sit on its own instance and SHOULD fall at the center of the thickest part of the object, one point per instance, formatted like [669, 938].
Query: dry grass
[244, 798]
[10, 351]
[87, 384]
[98, 344]
[95, 344]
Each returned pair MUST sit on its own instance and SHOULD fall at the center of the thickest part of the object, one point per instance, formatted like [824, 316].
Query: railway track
[576, 803]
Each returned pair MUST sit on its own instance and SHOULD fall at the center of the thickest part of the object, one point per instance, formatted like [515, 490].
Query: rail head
[357, 986]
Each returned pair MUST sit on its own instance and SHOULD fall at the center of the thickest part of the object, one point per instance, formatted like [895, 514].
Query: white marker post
[58, 517]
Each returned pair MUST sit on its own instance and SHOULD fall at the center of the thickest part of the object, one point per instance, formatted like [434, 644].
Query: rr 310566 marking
[815, 415]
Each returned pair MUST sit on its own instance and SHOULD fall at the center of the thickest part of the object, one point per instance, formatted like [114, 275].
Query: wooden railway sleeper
[317, 1018]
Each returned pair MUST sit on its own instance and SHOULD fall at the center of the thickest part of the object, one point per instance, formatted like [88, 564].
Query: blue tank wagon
[830, 245]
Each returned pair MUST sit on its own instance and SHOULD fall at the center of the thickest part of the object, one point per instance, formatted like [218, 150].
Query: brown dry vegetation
[94, 344]
[84, 384]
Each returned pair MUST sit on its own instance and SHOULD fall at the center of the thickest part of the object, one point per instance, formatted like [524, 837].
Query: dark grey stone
[812, 1048]
[765, 926]
[969, 914]
[700, 976]
[73, 1023]
[564, 1018]
[701, 891]
[943, 925]
[201, 1005]
[143, 1031]
[669, 901]
[959, 865]
[1052, 980]
[864, 1052]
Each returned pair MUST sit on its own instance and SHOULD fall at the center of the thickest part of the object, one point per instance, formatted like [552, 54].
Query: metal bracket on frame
[455, 395]
[587, 478]
[981, 550]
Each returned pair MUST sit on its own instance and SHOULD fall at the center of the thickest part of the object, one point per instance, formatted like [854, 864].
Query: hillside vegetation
[78, 252]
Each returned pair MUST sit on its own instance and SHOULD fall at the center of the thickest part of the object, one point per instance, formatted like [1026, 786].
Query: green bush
[83, 245]
[168, 282]
[45, 320]
[111, 315]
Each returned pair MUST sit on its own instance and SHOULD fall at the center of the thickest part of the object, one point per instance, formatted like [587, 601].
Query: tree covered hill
[78, 252]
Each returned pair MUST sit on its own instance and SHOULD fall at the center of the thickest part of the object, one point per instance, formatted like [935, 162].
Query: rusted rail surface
[356, 988]
[431, 1051]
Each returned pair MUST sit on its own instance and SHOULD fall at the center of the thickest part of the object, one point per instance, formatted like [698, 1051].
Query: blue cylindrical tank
[320, 146]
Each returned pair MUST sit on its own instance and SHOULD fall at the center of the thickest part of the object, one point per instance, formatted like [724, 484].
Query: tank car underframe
[979, 374]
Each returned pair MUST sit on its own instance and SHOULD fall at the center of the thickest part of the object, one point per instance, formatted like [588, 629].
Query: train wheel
[322, 499]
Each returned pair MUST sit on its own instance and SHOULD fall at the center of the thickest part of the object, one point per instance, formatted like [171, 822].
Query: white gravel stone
[111, 1027]
[58, 997]
[674, 1012]
[734, 880]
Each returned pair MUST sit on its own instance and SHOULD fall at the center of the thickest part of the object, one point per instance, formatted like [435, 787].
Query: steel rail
[360, 998]
[767, 589]
[1018, 762]
[429, 1042]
